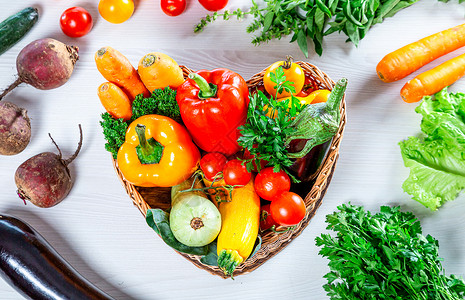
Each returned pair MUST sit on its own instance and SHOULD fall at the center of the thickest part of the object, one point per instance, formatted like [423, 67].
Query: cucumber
[16, 26]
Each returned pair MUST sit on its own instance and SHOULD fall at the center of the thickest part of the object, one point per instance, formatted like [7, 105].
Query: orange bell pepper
[157, 152]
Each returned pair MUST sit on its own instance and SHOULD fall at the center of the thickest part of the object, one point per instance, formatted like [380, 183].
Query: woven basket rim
[272, 243]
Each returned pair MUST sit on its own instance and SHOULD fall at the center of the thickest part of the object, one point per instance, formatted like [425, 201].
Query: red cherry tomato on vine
[173, 7]
[268, 184]
[116, 11]
[288, 209]
[76, 22]
[266, 219]
[212, 164]
[234, 173]
[213, 5]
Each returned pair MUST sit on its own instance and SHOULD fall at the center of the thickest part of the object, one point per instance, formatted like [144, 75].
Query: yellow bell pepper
[157, 152]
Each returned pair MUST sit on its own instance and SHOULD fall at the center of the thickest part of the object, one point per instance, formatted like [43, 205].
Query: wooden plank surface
[100, 232]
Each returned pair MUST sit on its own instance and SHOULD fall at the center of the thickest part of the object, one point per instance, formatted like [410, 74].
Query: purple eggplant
[36, 270]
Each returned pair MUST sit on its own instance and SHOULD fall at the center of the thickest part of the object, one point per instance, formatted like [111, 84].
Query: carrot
[115, 101]
[158, 70]
[434, 80]
[404, 61]
[116, 68]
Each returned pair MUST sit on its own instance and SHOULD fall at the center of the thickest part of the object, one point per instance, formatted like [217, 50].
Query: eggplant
[36, 270]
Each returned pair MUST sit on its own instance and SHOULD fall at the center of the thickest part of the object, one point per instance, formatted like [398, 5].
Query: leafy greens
[436, 159]
[312, 19]
[383, 256]
[268, 125]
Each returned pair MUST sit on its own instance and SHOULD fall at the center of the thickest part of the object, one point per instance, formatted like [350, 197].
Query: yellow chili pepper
[317, 96]
[157, 152]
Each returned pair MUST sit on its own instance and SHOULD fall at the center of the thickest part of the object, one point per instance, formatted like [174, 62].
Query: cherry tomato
[234, 173]
[268, 184]
[213, 5]
[173, 7]
[76, 22]
[212, 163]
[116, 11]
[293, 73]
[288, 209]
[266, 219]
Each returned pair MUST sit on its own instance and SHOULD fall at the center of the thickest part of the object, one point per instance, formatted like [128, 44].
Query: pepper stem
[148, 151]
[207, 90]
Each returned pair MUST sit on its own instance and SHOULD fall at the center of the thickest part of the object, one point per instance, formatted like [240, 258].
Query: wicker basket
[272, 243]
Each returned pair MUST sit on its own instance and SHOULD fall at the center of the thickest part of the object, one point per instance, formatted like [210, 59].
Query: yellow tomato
[116, 11]
[293, 73]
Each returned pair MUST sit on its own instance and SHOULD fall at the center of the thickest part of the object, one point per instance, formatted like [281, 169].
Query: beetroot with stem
[44, 179]
[15, 129]
[45, 64]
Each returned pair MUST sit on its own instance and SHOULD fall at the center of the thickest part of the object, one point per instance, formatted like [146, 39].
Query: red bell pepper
[213, 105]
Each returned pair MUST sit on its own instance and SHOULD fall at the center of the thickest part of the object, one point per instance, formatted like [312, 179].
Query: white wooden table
[97, 228]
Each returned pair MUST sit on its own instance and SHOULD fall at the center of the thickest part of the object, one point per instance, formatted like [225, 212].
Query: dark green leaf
[319, 19]
[347, 10]
[318, 43]
[322, 6]
[401, 5]
[268, 20]
[352, 33]
[302, 42]
[387, 7]
[211, 258]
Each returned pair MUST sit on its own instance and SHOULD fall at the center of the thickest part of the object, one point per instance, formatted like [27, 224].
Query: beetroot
[45, 179]
[15, 129]
[45, 64]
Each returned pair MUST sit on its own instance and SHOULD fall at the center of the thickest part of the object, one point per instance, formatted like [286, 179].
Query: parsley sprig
[263, 135]
[383, 256]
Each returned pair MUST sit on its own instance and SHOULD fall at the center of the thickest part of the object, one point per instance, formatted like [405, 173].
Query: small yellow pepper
[317, 96]
[157, 152]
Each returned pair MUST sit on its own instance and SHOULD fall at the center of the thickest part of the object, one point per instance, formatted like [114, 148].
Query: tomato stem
[273, 228]
[288, 63]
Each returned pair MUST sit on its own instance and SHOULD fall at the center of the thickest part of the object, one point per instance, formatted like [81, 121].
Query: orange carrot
[158, 70]
[116, 68]
[434, 80]
[404, 61]
[115, 101]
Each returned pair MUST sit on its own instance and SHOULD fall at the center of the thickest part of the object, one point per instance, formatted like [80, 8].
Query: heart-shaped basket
[312, 192]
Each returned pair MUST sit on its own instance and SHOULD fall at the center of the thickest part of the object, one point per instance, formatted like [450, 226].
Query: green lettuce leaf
[437, 159]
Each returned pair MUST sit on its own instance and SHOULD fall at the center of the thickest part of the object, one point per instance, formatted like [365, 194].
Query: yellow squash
[240, 223]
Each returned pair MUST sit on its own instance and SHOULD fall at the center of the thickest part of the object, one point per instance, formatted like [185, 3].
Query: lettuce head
[437, 158]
